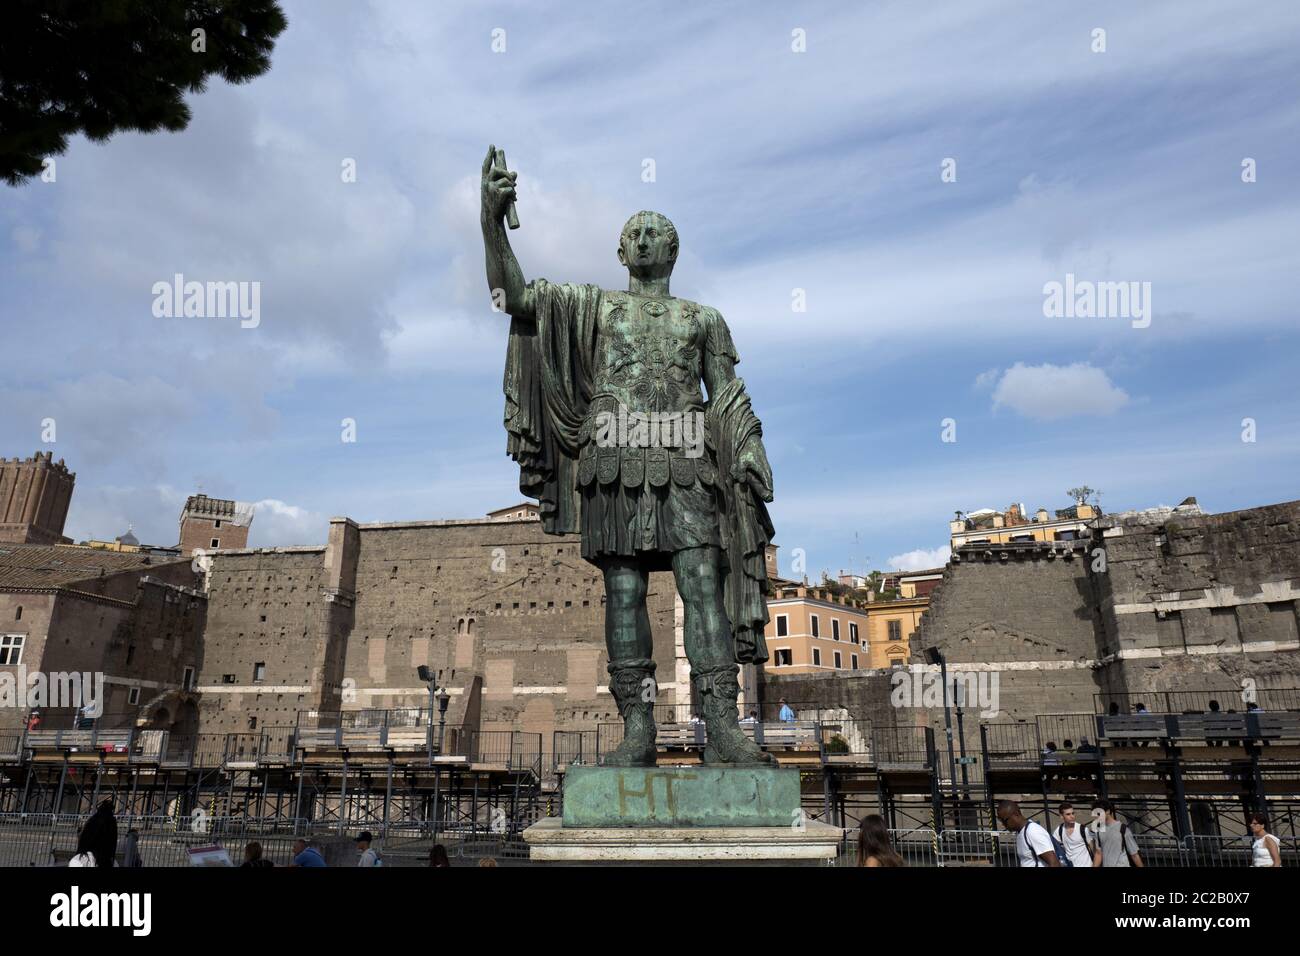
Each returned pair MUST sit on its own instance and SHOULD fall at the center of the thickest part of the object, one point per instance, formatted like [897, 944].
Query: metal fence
[50, 840]
[1226, 700]
[997, 848]
[33, 839]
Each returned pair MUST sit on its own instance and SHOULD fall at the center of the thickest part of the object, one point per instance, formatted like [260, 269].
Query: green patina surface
[680, 797]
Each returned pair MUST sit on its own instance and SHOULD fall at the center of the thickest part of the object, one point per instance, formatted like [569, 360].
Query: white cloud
[1047, 392]
[920, 559]
[279, 524]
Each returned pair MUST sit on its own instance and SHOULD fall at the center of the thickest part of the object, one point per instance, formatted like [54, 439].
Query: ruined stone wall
[138, 628]
[1192, 601]
[509, 618]
[1171, 600]
[512, 619]
[264, 606]
[1028, 615]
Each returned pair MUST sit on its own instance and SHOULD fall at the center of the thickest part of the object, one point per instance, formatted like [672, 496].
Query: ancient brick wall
[509, 618]
[264, 606]
[1192, 601]
[1168, 600]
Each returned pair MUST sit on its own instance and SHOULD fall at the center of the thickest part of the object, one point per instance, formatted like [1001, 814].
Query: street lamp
[934, 656]
[429, 677]
[443, 699]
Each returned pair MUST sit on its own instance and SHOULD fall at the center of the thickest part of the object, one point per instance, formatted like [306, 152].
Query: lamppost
[443, 699]
[431, 679]
[934, 656]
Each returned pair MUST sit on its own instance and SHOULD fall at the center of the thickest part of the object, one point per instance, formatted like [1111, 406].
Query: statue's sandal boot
[718, 689]
[633, 685]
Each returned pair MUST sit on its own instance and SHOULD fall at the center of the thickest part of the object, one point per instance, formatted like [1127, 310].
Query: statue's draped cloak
[548, 385]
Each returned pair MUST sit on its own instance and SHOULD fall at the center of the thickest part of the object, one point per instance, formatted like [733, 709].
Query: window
[252, 723]
[895, 630]
[816, 626]
[782, 625]
[837, 660]
[895, 662]
[817, 657]
[216, 542]
[18, 616]
[835, 629]
[187, 681]
[133, 696]
[130, 654]
[853, 659]
[259, 672]
[227, 678]
[853, 632]
[11, 648]
[784, 657]
[217, 524]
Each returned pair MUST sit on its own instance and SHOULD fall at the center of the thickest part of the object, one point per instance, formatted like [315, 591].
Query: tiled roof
[41, 566]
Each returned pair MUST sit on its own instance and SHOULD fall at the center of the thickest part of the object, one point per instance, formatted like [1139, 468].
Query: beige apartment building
[1014, 526]
[811, 630]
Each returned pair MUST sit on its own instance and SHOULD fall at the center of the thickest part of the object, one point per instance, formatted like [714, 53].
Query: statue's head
[648, 245]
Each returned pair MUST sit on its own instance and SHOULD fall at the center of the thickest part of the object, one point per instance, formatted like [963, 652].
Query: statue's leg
[711, 651]
[631, 662]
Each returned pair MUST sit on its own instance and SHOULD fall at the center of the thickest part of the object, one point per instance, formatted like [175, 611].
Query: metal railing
[996, 848]
[44, 839]
[1227, 700]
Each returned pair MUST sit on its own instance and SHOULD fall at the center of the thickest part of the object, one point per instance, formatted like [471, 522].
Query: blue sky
[782, 170]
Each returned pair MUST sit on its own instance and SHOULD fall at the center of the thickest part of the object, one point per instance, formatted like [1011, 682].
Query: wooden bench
[1210, 726]
[1135, 727]
[1280, 726]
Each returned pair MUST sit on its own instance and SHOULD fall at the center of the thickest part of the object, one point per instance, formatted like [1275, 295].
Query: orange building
[811, 630]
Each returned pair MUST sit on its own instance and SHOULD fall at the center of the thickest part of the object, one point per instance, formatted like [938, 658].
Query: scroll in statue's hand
[498, 187]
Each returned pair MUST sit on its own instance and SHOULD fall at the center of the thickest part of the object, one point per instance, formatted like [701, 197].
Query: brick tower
[213, 523]
[34, 497]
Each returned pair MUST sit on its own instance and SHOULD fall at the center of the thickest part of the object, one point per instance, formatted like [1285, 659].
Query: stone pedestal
[673, 815]
[813, 844]
[681, 797]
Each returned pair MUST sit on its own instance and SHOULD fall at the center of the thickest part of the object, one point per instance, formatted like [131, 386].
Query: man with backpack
[1073, 836]
[1034, 845]
[1115, 844]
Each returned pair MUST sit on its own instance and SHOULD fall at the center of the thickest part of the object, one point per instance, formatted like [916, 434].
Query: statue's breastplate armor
[648, 363]
[648, 353]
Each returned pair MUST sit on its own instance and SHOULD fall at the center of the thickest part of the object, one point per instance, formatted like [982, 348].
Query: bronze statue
[603, 400]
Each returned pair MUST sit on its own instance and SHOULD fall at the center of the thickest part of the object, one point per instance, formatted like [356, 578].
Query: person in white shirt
[369, 855]
[1074, 837]
[1265, 848]
[1033, 842]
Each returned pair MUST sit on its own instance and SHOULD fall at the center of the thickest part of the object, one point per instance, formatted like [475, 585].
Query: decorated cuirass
[647, 363]
[648, 352]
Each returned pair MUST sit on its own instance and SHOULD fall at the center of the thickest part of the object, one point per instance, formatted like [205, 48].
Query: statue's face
[648, 245]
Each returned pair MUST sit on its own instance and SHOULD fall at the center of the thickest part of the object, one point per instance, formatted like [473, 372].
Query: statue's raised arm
[510, 293]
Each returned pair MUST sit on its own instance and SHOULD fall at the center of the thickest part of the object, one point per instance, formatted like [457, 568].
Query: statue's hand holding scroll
[498, 187]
